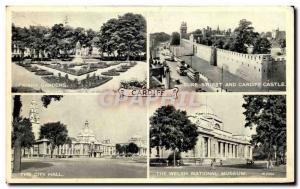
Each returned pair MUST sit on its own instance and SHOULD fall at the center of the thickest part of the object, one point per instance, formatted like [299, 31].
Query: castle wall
[203, 51]
[256, 68]
[251, 67]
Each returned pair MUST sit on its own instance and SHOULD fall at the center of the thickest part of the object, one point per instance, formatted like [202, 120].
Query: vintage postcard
[150, 94]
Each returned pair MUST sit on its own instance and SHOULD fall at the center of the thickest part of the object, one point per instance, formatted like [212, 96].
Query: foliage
[172, 129]
[132, 148]
[22, 130]
[244, 37]
[133, 84]
[125, 35]
[159, 37]
[56, 133]
[267, 114]
[175, 38]
[46, 99]
[57, 41]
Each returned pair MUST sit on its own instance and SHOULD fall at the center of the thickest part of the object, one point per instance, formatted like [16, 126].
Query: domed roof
[205, 109]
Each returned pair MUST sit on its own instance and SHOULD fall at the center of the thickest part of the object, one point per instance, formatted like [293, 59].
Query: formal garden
[66, 75]
[77, 58]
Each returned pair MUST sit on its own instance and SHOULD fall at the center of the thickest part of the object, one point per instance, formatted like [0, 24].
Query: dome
[205, 109]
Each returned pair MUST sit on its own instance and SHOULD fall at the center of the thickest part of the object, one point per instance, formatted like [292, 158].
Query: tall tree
[172, 129]
[267, 114]
[175, 38]
[22, 135]
[56, 133]
[125, 35]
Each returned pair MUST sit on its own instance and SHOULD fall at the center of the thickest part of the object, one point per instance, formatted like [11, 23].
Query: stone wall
[256, 68]
[251, 67]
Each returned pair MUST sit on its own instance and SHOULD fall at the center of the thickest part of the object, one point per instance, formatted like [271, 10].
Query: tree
[267, 114]
[119, 149]
[219, 43]
[56, 133]
[159, 37]
[172, 129]
[175, 38]
[261, 46]
[22, 135]
[132, 148]
[125, 35]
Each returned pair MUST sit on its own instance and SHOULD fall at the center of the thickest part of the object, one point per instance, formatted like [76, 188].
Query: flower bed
[33, 69]
[68, 70]
[99, 65]
[111, 72]
[24, 64]
[21, 89]
[43, 72]
[89, 82]
[133, 84]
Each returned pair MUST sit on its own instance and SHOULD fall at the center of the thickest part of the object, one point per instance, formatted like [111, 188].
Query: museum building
[214, 142]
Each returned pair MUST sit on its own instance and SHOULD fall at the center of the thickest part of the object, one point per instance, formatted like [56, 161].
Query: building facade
[214, 142]
[85, 144]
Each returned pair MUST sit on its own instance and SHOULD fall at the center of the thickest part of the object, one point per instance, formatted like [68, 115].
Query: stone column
[226, 150]
[208, 147]
[45, 148]
[250, 155]
[221, 149]
[81, 149]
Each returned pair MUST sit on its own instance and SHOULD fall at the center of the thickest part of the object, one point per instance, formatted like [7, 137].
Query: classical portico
[214, 141]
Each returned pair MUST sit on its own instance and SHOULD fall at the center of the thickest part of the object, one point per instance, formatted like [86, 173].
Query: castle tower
[183, 30]
[34, 119]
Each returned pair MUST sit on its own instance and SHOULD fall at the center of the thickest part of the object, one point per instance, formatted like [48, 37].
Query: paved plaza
[83, 168]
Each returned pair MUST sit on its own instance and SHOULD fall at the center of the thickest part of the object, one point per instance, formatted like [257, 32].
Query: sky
[227, 107]
[116, 123]
[159, 19]
[84, 19]
[263, 19]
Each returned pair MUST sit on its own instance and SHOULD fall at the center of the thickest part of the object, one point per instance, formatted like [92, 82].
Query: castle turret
[183, 30]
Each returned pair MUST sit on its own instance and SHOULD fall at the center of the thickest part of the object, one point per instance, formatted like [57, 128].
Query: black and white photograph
[53, 138]
[149, 94]
[84, 51]
[223, 137]
[218, 51]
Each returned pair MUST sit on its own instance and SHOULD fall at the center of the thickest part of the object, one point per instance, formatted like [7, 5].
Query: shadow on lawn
[244, 166]
[35, 165]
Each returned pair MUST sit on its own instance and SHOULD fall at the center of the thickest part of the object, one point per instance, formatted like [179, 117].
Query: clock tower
[34, 119]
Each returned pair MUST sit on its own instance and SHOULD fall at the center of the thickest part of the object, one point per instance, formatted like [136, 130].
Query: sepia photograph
[83, 51]
[218, 51]
[224, 137]
[53, 137]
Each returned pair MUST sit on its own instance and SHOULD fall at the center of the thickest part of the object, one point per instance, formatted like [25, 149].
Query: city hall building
[85, 144]
[214, 142]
